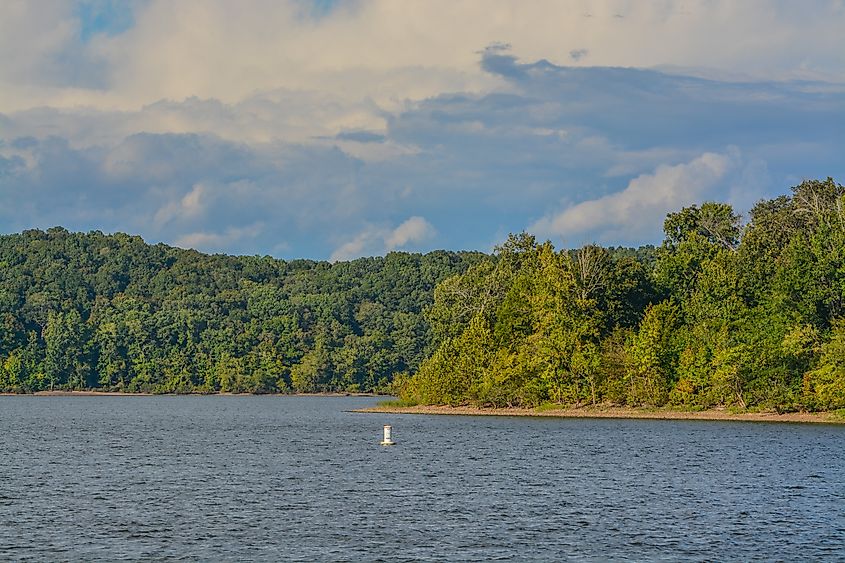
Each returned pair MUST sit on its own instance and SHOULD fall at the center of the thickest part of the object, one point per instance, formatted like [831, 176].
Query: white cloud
[414, 230]
[386, 51]
[353, 248]
[638, 211]
[190, 206]
[207, 116]
[33, 35]
[377, 240]
[210, 241]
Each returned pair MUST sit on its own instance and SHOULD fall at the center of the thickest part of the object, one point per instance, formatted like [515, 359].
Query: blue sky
[333, 130]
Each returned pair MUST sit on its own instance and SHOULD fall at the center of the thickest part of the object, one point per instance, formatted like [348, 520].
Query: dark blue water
[297, 478]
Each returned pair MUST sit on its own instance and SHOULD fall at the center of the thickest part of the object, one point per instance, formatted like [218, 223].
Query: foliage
[653, 356]
[81, 311]
[537, 327]
[825, 385]
[722, 314]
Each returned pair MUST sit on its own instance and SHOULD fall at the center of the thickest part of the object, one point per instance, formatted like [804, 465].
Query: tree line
[110, 312]
[721, 314]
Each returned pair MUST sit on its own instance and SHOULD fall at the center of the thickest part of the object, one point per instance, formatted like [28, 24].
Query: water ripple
[299, 479]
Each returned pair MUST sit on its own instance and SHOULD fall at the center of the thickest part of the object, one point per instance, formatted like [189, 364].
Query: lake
[302, 479]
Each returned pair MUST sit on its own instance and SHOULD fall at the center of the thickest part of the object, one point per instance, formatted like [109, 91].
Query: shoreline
[140, 394]
[613, 412]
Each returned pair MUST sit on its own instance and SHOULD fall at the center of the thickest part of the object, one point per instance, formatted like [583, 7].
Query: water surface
[298, 478]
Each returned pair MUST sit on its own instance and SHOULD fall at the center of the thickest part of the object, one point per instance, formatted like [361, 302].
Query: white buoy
[387, 436]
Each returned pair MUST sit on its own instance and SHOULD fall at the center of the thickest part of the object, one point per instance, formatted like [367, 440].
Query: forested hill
[730, 314]
[725, 312]
[110, 311]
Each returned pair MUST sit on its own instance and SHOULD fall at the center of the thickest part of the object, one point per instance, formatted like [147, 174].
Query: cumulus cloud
[377, 240]
[638, 211]
[191, 123]
[189, 206]
[476, 165]
[199, 47]
[414, 230]
[210, 241]
[353, 248]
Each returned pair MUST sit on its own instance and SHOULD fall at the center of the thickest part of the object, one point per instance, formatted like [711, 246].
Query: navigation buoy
[387, 436]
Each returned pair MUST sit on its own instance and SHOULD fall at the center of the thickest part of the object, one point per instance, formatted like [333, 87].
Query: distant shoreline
[139, 394]
[614, 412]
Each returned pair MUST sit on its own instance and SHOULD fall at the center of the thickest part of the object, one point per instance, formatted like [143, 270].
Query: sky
[332, 130]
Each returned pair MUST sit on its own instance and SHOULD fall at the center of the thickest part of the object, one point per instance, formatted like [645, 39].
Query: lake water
[300, 479]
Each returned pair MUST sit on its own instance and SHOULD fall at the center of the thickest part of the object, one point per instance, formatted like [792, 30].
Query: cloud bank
[337, 130]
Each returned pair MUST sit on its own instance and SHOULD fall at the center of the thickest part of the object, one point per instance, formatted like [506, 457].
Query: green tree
[653, 354]
[824, 386]
[67, 361]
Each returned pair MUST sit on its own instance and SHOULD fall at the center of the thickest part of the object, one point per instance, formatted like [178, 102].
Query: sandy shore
[613, 412]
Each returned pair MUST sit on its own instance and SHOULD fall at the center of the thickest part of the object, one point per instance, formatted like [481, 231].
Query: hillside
[82, 311]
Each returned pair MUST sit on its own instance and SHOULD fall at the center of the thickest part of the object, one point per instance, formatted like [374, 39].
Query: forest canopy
[721, 314]
[727, 311]
[82, 311]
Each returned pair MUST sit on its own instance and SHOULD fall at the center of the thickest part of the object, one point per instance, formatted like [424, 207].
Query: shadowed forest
[80, 311]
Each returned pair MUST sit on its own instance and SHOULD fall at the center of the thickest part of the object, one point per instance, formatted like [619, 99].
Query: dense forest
[81, 311]
[721, 314]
